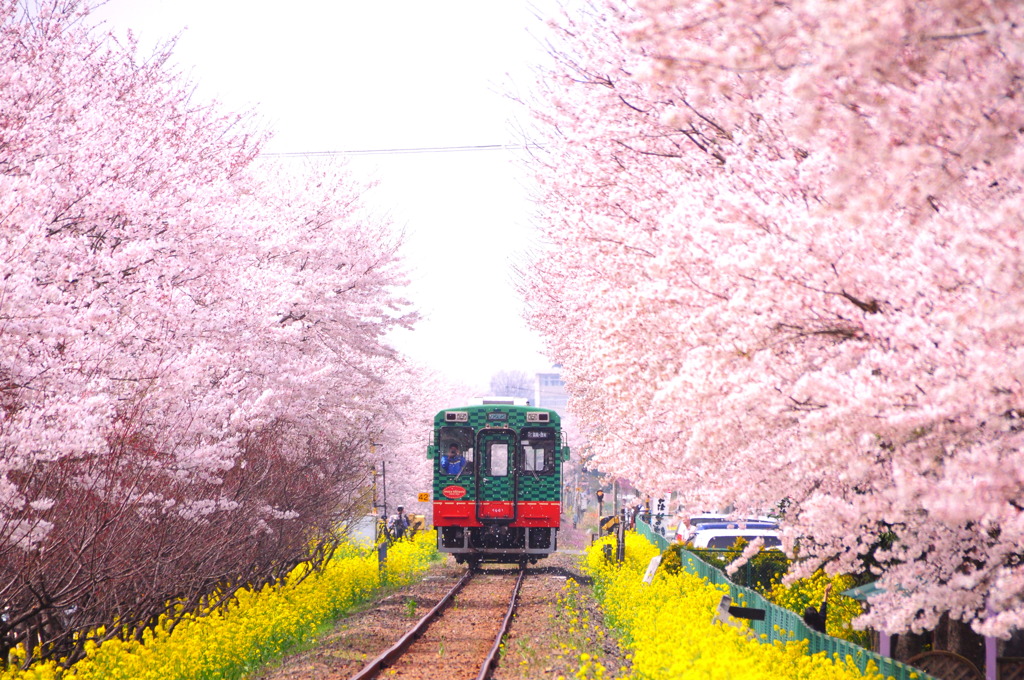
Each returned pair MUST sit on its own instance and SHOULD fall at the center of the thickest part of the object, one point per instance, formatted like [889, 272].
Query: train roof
[524, 414]
[509, 401]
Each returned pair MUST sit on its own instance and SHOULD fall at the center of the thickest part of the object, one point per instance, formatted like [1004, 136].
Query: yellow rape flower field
[667, 628]
[254, 628]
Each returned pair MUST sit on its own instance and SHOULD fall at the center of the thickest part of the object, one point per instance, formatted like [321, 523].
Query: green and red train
[497, 481]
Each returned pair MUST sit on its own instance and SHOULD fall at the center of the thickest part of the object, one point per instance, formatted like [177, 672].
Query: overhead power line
[404, 150]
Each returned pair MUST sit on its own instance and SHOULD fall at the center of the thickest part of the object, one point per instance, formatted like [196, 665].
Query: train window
[497, 459]
[538, 450]
[538, 458]
[456, 446]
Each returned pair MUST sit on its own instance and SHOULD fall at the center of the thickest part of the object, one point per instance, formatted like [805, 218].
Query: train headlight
[537, 417]
[456, 417]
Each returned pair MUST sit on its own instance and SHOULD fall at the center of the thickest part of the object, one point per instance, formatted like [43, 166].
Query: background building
[549, 391]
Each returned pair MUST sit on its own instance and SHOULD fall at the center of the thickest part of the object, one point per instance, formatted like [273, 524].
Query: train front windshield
[457, 445]
[538, 446]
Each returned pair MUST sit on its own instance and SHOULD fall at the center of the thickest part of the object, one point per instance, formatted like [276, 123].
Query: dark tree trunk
[956, 636]
[908, 645]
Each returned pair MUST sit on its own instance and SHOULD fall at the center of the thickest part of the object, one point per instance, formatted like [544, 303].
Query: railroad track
[460, 637]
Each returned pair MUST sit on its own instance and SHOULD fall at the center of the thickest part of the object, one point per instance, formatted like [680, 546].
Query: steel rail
[492, 657]
[396, 650]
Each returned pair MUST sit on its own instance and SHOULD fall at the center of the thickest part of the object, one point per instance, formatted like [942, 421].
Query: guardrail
[782, 624]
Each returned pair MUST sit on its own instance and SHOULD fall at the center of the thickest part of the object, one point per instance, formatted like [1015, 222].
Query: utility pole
[384, 481]
[620, 537]
[382, 549]
[373, 483]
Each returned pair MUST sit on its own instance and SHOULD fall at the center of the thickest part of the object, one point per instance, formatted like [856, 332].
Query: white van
[723, 539]
[689, 525]
[688, 528]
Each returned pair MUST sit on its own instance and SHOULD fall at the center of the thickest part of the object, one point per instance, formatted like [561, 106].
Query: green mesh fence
[782, 624]
[766, 567]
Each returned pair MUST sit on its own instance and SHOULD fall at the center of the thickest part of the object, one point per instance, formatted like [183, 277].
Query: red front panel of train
[464, 513]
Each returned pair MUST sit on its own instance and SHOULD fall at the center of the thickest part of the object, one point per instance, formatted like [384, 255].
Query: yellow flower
[668, 629]
[257, 626]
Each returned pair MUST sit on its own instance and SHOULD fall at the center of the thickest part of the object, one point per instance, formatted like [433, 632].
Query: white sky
[341, 76]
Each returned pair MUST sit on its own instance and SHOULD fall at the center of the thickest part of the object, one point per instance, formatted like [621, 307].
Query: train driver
[453, 462]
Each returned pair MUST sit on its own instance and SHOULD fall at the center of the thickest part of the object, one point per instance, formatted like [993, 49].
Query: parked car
[688, 527]
[723, 539]
[740, 524]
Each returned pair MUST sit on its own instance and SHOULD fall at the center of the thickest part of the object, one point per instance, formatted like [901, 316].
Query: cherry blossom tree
[193, 355]
[402, 441]
[784, 266]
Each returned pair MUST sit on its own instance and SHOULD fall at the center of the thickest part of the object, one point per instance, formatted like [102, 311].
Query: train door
[496, 479]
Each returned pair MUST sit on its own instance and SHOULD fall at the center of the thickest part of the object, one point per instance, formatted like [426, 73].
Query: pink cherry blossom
[784, 265]
[193, 342]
